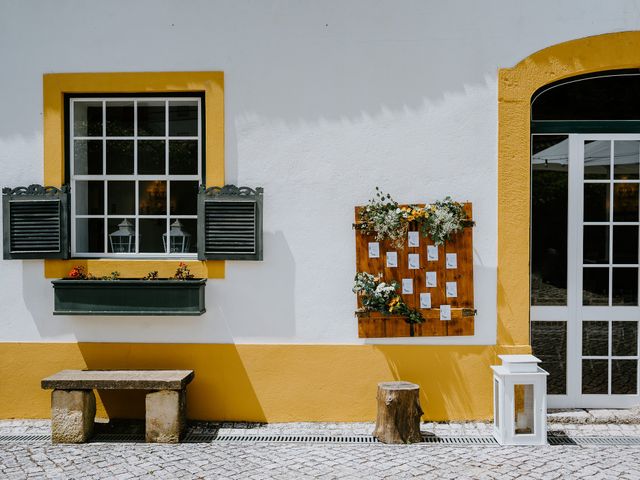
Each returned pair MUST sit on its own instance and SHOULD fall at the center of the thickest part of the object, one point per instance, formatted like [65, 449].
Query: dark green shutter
[230, 223]
[35, 222]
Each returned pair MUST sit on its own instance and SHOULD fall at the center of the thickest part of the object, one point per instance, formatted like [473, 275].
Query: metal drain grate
[563, 440]
[363, 439]
[351, 439]
[25, 438]
[117, 438]
[459, 440]
[328, 439]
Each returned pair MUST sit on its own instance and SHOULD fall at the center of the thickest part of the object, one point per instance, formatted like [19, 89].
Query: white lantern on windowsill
[519, 401]
[122, 240]
[179, 240]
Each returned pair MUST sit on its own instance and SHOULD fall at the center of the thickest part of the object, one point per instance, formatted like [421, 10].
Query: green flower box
[129, 297]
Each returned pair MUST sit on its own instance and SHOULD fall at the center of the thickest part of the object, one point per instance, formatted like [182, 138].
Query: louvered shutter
[230, 223]
[35, 222]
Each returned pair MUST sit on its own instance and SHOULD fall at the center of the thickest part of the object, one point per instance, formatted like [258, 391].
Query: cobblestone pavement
[252, 460]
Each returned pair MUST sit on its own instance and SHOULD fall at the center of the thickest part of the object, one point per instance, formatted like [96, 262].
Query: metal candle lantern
[519, 401]
[179, 240]
[122, 240]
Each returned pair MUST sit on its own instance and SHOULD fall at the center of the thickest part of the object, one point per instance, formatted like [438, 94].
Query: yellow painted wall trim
[515, 87]
[55, 85]
[274, 383]
[133, 268]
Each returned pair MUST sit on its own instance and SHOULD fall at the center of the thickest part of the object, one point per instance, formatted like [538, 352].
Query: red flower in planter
[78, 273]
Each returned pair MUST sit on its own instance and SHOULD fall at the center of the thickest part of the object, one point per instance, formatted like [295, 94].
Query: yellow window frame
[56, 85]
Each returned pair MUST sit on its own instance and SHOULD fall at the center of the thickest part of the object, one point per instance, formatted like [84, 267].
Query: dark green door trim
[585, 126]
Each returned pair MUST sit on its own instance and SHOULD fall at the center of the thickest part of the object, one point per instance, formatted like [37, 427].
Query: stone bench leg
[165, 417]
[72, 415]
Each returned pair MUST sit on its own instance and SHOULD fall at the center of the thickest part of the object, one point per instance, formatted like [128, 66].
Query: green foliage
[153, 275]
[384, 218]
[378, 296]
[115, 275]
[182, 272]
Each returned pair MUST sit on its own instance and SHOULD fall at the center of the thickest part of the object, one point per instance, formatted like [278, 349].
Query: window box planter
[129, 297]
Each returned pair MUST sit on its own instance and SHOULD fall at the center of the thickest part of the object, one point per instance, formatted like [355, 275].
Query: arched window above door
[600, 102]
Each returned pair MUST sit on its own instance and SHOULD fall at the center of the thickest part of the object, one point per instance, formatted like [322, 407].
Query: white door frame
[574, 313]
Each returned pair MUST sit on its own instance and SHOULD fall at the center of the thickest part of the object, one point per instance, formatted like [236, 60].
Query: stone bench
[73, 403]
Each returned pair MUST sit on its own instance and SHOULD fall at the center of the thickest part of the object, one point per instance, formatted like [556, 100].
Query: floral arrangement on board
[387, 220]
[79, 272]
[379, 296]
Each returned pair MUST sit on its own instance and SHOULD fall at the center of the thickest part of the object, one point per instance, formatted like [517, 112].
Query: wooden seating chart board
[453, 275]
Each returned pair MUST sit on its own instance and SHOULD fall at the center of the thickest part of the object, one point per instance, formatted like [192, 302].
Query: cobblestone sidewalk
[253, 460]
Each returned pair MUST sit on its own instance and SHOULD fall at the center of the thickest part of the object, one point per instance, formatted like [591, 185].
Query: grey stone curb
[629, 416]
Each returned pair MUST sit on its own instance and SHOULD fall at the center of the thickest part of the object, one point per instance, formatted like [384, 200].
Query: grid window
[135, 166]
[611, 223]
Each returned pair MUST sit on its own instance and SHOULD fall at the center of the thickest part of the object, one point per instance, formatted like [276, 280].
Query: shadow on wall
[38, 296]
[37, 293]
[221, 387]
[447, 392]
[265, 305]
[253, 300]
[347, 55]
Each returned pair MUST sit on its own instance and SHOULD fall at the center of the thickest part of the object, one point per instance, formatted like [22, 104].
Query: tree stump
[399, 413]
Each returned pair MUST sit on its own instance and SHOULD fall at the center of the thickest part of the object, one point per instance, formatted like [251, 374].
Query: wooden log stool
[399, 413]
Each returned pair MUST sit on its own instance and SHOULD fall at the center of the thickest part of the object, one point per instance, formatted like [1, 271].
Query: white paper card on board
[425, 300]
[414, 239]
[445, 312]
[432, 253]
[432, 280]
[452, 260]
[414, 261]
[374, 250]
[407, 286]
[452, 289]
[392, 259]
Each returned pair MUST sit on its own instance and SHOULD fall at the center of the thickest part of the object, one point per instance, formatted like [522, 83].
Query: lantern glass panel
[189, 227]
[496, 403]
[523, 409]
[180, 236]
[122, 235]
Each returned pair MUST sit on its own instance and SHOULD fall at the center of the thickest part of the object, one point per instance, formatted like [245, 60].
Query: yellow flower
[393, 303]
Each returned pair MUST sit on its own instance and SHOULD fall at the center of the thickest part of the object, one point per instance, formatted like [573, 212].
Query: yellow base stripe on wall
[272, 383]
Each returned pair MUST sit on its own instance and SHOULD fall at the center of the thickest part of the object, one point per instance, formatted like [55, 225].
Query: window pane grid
[168, 137]
[613, 357]
[622, 285]
[116, 116]
[597, 358]
[586, 180]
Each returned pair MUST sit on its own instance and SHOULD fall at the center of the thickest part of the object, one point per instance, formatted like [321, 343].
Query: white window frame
[134, 177]
[575, 313]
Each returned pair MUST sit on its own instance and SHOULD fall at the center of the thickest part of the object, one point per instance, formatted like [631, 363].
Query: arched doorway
[585, 179]
[517, 86]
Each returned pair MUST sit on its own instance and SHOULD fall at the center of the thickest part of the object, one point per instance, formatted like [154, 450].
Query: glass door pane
[549, 221]
[610, 201]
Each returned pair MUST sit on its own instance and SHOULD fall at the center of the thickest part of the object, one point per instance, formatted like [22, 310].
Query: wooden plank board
[378, 325]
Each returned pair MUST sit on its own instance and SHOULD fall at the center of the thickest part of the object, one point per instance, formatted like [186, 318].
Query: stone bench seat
[119, 380]
[73, 403]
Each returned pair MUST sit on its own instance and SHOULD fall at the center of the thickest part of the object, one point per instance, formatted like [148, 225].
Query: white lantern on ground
[519, 401]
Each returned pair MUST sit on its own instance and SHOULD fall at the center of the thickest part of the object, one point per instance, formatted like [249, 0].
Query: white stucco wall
[324, 100]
